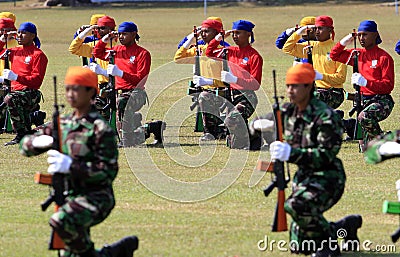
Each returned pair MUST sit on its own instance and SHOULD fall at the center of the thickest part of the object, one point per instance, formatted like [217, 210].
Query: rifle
[112, 98]
[58, 182]
[193, 89]
[6, 87]
[278, 168]
[225, 67]
[309, 48]
[357, 104]
[393, 208]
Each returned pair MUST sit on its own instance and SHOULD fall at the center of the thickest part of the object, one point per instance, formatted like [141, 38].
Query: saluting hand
[303, 30]
[347, 40]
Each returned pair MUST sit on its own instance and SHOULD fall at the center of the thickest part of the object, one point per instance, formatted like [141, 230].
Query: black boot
[157, 128]
[37, 118]
[351, 224]
[122, 248]
[16, 139]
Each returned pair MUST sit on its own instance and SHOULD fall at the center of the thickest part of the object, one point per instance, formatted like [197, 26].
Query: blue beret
[370, 26]
[128, 26]
[243, 25]
[30, 27]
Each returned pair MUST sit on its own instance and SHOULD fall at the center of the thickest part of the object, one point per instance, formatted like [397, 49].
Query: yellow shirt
[10, 44]
[334, 73]
[77, 47]
[209, 68]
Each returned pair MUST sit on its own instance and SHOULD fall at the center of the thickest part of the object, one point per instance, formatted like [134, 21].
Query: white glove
[280, 151]
[42, 142]
[106, 39]
[218, 37]
[303, 30]
[9, 74]
[358, 79]
[97, 69]
[202, 81]
[318, 76]
[189, 40]
[3, 38]
[389, 148]
[1, 79]
[113, 70]
[347, 40]
[263, 125]
[86, 31]
[59, 163]
[228, 77]
[290, 31]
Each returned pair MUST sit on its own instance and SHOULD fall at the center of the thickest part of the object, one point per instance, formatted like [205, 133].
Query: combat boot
[122, 248]
[351, 224]
[37, 118]
[17, 138]
[157, 128]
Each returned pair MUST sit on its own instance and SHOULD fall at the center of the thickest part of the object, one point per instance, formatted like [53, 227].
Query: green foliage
[231, 223]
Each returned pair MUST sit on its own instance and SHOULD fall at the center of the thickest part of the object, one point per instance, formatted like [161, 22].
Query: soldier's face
[367, 39]
[127, 38]
[241, 37]
[207, 34]
[25, 38]
[298, 94]
[78, 97]
[322, 33]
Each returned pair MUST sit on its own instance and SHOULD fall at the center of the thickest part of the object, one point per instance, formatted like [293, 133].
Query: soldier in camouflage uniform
[28, 65]
[313, 134]
[89, 160]
[383, 147]
[375, 77]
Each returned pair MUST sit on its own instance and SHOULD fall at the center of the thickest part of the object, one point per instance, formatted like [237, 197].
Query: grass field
[230, 223]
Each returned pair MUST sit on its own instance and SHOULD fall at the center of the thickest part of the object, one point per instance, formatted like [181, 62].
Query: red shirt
[29, 63]
[245, 63]
[133, 60]
[375, 65]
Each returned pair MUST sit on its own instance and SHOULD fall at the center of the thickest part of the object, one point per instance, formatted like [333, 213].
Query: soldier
[131, 68]
[375, 77]
[90, 163]
[383, 147]
[283, 37]
[320, 179]
[209, 101]
[105, 25]
[330, 75]
[28, 68]
[245, 65]
[93, 21]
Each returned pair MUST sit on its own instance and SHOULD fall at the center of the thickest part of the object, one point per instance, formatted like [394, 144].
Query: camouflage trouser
[20, 104]
[236, 120]
[372, 154]
[128, 103]
[312, 195]
[377, 108]
[209, 104]
[333, 97]
[73, 220]
[102, 101]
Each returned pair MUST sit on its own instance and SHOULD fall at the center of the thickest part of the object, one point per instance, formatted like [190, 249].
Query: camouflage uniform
[91, 143]
[209, 103]
[372, 155]
[375, 109]
[315, 136]
[333, 97]
[20, 104]
[236, 120]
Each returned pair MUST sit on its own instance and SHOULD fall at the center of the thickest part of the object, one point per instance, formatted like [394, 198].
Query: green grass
[230, 223]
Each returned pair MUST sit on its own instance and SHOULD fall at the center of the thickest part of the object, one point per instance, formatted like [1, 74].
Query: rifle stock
[112, 98]
[309, 48]
[278, 168]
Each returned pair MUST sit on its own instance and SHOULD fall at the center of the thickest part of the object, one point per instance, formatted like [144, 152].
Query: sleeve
[212, 48]
[385, 83]
[337, 78]
[281, 40]
[77, 47]
[25, 146]
[293, 48]
[102, 166]
[99, 51]
[182, 42]
[35, 79]
[144, 63]
[328, 131]
[254, 82]
[339, 54]
[183, 53]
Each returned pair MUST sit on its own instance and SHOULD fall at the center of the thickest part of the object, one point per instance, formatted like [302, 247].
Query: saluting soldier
[89, 160]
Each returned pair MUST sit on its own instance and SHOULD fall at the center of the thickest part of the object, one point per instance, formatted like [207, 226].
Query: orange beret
[80, 76]
[300, 74]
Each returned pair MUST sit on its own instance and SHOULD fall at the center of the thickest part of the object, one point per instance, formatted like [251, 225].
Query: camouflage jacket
[315, 136]
[372, 155]
[91, 143]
